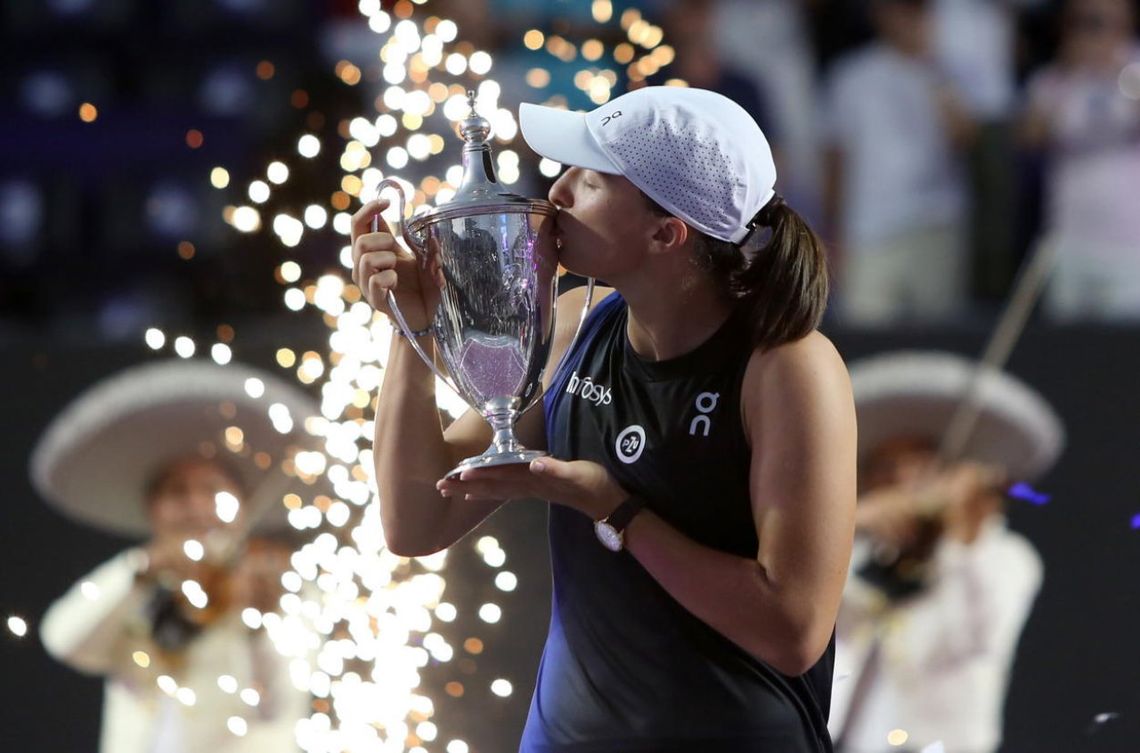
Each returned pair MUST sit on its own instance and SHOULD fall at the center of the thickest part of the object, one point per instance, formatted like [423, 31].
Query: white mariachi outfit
[100, 625]
[943, 665]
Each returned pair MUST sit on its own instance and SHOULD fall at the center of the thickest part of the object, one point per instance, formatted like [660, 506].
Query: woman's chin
[574, 269]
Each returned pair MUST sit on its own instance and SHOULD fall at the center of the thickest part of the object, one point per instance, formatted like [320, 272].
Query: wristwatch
[611, 529]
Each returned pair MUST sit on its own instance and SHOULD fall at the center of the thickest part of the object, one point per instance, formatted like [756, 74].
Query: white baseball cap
[697, 153]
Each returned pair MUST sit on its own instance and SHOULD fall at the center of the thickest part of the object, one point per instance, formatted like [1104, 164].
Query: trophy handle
[578, 331]
[418, 250]
[414, 342]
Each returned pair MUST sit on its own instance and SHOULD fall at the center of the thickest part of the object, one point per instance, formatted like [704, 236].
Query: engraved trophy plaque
[489, 273]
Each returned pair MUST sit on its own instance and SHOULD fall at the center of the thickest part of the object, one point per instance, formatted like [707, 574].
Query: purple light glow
[1027, 493]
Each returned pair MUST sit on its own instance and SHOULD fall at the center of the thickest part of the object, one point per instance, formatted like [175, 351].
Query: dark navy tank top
[625, 667]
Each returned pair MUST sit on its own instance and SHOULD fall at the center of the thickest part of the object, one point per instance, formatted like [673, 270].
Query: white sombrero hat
[915, 393]
[94, 461]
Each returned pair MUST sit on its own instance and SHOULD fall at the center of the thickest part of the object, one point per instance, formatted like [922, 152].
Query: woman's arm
[780, 607]
[412, 452]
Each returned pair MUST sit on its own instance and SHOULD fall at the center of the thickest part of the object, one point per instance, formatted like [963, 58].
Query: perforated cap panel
[677, 159]
[695, 152]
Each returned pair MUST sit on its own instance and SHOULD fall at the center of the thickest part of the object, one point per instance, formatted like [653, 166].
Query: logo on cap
[616, 114]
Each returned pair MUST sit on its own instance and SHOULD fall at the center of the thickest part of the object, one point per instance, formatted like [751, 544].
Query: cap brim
[563, 136]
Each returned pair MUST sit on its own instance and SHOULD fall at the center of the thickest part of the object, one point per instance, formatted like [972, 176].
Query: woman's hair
[782, 285]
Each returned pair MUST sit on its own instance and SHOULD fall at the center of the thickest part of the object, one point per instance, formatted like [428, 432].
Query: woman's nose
[560, 194]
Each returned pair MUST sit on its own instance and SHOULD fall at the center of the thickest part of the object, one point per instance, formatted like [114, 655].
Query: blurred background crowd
[934, 143]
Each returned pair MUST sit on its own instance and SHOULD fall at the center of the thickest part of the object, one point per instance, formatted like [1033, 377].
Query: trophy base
[491, 460]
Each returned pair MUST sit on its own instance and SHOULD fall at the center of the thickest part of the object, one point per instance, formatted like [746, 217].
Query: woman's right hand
[379, 265]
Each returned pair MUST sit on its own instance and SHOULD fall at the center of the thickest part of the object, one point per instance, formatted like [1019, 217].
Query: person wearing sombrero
[939, 588]
[195, 458]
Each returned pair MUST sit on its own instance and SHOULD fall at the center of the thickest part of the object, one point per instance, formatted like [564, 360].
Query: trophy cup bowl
[489, 274]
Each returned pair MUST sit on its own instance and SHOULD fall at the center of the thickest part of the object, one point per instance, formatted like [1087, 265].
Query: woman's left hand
[581, 484]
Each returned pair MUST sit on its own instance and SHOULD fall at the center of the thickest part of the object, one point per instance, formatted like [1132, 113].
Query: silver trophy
[489, 274]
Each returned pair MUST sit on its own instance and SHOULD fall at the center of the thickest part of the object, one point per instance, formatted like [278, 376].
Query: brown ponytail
[782, 284]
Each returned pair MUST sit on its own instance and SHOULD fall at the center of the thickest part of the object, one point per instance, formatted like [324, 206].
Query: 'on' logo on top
[705, 404]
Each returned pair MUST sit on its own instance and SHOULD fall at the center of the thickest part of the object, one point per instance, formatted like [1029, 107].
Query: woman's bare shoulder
[574, 298]
[570, 306]
[805, 371]
[812, 351]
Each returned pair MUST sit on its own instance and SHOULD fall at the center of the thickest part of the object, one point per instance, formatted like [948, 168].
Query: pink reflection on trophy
[492, 366]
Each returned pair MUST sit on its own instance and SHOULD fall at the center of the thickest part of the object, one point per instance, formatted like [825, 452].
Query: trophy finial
[475, 129]
[478, 169]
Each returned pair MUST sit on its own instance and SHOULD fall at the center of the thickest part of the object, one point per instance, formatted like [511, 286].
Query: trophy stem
[504, 439]
[505, 447]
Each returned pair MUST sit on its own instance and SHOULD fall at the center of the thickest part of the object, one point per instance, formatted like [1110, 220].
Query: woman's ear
[671, 233]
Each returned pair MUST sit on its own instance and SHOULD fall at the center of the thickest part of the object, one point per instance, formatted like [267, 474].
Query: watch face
[610, 537]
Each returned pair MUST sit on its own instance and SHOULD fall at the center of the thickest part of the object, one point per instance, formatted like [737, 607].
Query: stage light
[21, 218]
[172, 210]
[243, 6]
[226, 91]
[70, 7]
[48, 93]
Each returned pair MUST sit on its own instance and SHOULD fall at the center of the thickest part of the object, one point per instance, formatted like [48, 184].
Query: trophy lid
[479, 192]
